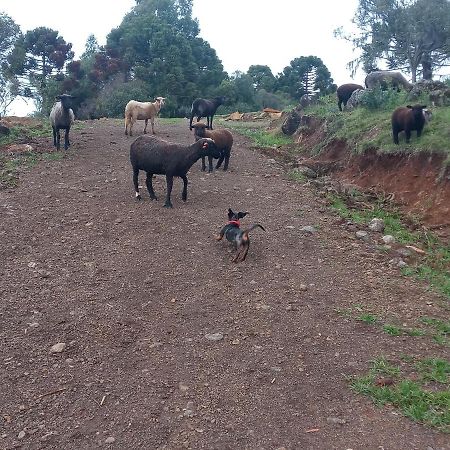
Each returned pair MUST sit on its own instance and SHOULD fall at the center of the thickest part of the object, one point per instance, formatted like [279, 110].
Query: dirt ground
[137, 292]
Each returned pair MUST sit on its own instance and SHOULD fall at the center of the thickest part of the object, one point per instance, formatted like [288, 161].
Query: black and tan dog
[238, 237]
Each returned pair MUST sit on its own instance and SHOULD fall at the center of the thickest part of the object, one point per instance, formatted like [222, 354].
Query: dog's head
[235, 216]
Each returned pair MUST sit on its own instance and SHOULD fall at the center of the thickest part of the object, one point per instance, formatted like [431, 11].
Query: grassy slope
[370, 127]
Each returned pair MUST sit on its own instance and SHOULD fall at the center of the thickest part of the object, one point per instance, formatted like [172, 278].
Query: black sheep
[156, 156]
[202, 107]
[344, 92]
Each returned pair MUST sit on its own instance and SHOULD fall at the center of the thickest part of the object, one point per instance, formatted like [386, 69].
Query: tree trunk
[427, 66]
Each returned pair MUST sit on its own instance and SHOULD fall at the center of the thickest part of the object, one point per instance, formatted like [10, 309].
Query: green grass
[392, 330]
[434, 268]
[11, 166]
[258, 134]
[369, 319]
[430, 407]
[365, 127]
[26, 132]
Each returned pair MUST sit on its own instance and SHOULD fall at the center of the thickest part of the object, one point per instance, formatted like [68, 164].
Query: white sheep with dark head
[62, 118]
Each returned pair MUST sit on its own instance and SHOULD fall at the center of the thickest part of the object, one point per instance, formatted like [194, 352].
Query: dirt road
[169, 345]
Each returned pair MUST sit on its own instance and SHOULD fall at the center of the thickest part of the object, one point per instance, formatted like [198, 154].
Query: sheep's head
[66, 100]
[199, 129]
[160, 100]
[209, 148]
[418, 111]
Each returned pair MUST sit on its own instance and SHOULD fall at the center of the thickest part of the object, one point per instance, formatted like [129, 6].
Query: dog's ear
[241, 215]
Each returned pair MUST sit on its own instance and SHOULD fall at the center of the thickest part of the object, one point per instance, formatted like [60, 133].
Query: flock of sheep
[155, 156]
[405, 119]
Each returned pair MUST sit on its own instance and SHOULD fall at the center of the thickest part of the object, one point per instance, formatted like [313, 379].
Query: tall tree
[158, 43]
[412, 35]
[9, 34]
[38, 55]
[262, 77]
[305, 75]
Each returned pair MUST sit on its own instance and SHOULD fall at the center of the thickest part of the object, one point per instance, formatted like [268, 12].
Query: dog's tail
[245, 232]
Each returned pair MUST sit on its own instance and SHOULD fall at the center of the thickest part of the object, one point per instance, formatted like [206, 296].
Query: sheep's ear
[241, 215]
[423, 106]
[409, 106]
[230, 212]
[58, 97]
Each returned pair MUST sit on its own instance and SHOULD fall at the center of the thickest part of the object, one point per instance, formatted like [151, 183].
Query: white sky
[243, 32]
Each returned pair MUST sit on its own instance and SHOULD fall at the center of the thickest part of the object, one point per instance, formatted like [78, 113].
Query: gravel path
[170, 345]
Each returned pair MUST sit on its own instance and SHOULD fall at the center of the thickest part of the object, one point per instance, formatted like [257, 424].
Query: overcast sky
[243, 32]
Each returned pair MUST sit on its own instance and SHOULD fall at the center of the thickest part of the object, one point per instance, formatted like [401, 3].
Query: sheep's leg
[395, 135]
[152, 121]
[66, 139]
[149, 184]
[419, 132]
[135, 182]
[219, 163]
[408, 135]
[185, 184]
[226, 155]
[145, 128]
[54, 136]
[210, 123]
[58, 139]
[126, 126]
[210, 164]
[203, 164]
[169, 182]
[227, 161]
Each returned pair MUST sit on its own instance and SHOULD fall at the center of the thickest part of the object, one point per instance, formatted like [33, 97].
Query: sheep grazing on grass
[223, 139]
[344, 92]
[202, 107]
[62, 118]
[156, 156]
[408, 119]
[385, 79]
[142, 111]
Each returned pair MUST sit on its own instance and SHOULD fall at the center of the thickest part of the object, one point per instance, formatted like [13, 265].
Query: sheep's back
[142, 110]
[152, 153]
[222, 137]
[59, 117]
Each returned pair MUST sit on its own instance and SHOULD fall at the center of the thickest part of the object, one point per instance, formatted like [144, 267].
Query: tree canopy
[305, 75]
[36, 56]
[412, 35]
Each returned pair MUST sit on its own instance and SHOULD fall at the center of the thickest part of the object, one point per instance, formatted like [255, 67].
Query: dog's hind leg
[219, 237]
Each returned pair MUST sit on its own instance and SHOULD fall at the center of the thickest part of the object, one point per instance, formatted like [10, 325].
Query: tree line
[157, 51]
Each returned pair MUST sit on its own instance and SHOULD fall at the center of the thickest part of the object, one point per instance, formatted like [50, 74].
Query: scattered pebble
[110, 440]
[21, 435]
[362, 235]
[303, 287]
[388, 239]
[214, 336]
[308, 229]
[336, 420]
[58, 348]
[376, 225]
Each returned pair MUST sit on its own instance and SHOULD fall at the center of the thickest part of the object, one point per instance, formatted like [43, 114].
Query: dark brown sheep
[408, 119]
[344, 92]
[223, 140]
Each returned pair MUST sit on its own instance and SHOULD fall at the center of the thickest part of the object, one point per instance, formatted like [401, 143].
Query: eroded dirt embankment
[419, 183]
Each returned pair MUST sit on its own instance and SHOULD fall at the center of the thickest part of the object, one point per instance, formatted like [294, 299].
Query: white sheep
[62, 117]
[142, 111]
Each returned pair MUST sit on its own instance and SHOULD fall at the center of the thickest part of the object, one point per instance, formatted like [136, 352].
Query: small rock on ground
[58, 348]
